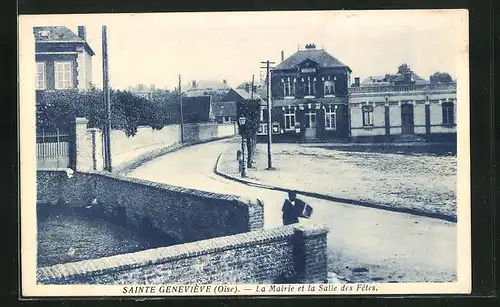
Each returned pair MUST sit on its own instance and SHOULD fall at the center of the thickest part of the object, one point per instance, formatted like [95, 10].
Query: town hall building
[309, 98]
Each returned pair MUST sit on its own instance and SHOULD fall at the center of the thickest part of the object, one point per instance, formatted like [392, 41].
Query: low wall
[146, 144]
[125, 149]
[291, 254]
[226, 130]
[184, 215]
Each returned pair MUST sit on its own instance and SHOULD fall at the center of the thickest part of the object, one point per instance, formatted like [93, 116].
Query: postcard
[245, 153]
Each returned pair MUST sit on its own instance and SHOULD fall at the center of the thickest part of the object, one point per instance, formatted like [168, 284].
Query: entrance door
[407, 118]
[310, 124]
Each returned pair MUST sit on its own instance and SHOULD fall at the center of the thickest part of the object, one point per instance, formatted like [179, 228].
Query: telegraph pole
[252, 87]
[182, 116]
[107, 102]
[269, 122]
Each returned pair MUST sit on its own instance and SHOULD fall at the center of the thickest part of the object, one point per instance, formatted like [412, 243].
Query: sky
[155, 48]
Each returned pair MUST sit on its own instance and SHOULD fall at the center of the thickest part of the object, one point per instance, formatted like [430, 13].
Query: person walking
[293, 208]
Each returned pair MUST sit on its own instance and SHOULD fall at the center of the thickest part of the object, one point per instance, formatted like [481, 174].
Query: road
[364, 244]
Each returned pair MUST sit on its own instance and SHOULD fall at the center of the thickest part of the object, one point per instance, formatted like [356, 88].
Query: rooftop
[320, 56]
[58, 34]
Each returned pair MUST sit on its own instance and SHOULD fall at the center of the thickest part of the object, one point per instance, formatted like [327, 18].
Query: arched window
[448, 113]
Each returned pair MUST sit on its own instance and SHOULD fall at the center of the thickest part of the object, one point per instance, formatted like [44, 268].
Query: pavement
[364, 244]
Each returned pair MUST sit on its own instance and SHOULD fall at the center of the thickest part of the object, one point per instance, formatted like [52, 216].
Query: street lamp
[242, 120]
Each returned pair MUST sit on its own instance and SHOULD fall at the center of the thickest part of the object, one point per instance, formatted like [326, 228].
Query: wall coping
[161, 255]
[238, 200]
[81, 120]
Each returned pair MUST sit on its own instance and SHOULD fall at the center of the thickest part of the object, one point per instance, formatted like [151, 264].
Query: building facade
[402, 106]
[63, 59]
[309, 93]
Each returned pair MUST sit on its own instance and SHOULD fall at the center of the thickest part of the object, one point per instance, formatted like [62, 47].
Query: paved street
[364, 244]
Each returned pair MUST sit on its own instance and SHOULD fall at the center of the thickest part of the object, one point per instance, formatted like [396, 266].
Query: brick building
[402, 106]
[63, 59]
[309, 97]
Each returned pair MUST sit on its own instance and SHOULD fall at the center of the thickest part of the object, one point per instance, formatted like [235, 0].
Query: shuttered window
[63, 75]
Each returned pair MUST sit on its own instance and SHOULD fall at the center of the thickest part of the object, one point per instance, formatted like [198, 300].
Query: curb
[439, 216]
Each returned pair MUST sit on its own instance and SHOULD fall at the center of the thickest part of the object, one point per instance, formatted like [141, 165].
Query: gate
[53, 150]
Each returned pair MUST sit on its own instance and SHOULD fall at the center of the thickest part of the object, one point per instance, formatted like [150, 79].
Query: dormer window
[44, 33]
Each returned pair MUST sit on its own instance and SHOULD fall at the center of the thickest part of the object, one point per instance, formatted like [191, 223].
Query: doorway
[310, 122]
[407, 119]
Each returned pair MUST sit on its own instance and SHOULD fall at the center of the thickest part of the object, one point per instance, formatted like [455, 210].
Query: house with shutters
[309, 98]
[402, 107]
[63, 59]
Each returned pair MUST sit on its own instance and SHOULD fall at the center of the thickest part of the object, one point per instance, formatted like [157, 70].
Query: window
[288, 87]
[367, 116]
[40, 75]
[226, 119]
[263, 114]
[448, 113]
[330, 118]
[309, 86]
[311, 119]
[290, 119]
[262, 128]
[63, 74]
[329, 88]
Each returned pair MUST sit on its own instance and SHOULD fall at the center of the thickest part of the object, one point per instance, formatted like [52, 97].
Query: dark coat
[292, 212]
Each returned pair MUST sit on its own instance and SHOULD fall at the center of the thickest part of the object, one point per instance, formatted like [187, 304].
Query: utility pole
[182, 116]
[107, 102]
[250, 141]
[269, 122]
[251, 95]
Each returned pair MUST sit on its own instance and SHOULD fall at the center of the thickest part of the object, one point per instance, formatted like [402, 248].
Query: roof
[220, 108]
[389, 79]
[247, 95]
[196, 109]
[320, 56]
[57, 34]
[208, 84]
[261, 88]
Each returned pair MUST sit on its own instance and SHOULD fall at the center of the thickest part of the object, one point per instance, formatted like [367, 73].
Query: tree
[250, 109]
[57, 110]
[441, 77]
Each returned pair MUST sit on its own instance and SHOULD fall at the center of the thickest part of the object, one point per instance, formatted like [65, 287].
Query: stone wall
[183, 215]
[290, 254]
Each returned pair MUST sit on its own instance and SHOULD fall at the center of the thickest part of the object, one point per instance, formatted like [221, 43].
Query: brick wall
[184, 215]
[290, 254]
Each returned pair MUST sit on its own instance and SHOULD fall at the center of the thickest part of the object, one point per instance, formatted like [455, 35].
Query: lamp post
[242, 120]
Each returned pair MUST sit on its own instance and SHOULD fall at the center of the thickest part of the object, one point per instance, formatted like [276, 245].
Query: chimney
[153, 87]
[224, 81]
[193, 83]
[82, 33]
[356, 81]
[247, 87]
[282, 55]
